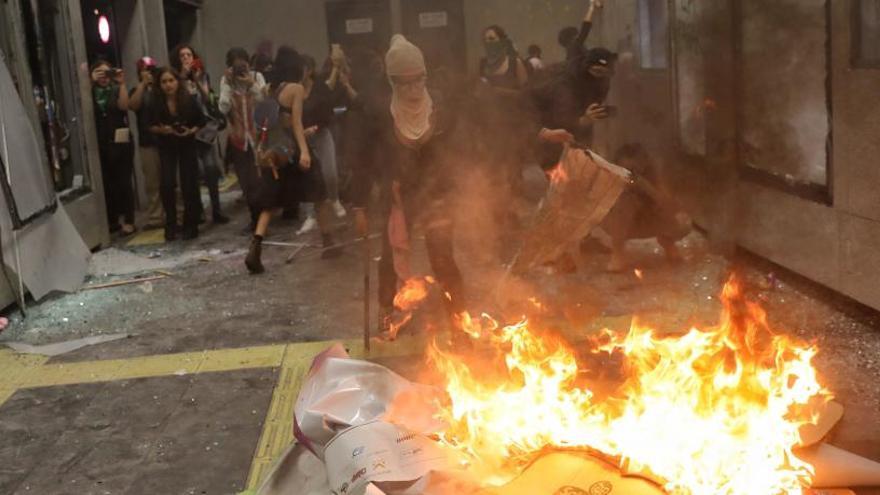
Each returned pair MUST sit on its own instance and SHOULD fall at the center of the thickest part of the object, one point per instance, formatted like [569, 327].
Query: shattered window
[785, 132]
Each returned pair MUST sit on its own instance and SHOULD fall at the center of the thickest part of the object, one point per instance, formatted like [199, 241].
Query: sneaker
[309, 225]
[339, 209]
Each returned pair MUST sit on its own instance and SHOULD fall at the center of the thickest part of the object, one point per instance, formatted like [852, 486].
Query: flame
[639, 274]
[413, 292]
[407, 299]
[712, 411]
[557, 174]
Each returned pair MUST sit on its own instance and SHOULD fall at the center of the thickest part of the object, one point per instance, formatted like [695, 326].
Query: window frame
[667, 4]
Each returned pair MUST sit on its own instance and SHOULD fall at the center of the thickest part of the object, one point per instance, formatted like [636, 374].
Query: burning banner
[734, 409]
[583, 189]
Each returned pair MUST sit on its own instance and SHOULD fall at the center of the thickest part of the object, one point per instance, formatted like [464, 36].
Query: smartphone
[112, 72]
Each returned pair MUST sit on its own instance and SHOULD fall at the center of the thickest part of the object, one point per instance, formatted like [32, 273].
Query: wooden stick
[285, 244]
[295, 252]
[367, 261]
[119, 283]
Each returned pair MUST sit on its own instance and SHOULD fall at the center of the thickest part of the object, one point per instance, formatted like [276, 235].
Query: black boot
[170, 233]
[252, 261]
[331, 250]
[219, 218]
[190, 232]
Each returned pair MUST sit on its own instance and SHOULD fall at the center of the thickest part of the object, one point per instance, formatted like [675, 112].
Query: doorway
[358, 25]
[437, 27]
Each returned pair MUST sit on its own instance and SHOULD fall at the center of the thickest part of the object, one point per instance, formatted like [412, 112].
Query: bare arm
[297, 96]
[136, 101]
[522, 76]
[594, 6]
[122, 98]
[333, 78]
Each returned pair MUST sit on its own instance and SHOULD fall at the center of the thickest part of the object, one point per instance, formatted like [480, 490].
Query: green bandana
[102, 97]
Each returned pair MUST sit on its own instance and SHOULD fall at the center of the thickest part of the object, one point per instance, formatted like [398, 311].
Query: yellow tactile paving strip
[19, 371]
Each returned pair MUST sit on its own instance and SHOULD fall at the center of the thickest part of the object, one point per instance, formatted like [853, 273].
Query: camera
[112, 72]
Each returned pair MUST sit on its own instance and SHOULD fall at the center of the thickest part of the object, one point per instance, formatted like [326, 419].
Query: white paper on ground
[377, 452]
[340, 392]
[60, 348]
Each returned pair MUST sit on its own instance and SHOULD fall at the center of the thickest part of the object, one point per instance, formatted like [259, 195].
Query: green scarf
[102, 97]
[495, 53]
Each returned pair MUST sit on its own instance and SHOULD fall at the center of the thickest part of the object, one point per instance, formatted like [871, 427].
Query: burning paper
[713, 411]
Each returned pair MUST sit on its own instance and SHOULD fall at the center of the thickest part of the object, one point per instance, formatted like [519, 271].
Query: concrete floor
[197, 400]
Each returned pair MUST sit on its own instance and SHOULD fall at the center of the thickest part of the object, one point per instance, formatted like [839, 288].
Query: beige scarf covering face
[411, 118]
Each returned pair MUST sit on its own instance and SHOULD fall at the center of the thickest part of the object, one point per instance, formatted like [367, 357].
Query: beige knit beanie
[404, 58]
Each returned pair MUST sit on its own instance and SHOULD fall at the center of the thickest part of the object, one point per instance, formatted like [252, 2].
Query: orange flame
[639, 274]
[413, 292]
[557, 174]
[715, 411]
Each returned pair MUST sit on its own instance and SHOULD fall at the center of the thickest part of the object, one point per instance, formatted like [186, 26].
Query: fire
[413, 292]
[557, 174]
[639, 274]
[407, 299]
[713, 411]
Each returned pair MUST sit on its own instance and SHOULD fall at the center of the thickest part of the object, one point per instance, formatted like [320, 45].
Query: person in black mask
[568, 106]
[501, 68]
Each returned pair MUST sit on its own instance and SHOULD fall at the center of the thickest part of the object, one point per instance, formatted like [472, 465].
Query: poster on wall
[428, 20]
[785, 132]
[359, 26]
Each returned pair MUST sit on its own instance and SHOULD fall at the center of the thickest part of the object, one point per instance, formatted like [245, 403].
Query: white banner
[429, 20]
[359, 26]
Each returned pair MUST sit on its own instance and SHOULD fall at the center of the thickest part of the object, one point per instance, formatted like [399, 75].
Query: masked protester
[501, 67]
[568, 106]
[114, 144]
[419, 140]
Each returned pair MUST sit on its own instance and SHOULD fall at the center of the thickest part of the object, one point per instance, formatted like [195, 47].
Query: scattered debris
[119, 283]
[60, 348]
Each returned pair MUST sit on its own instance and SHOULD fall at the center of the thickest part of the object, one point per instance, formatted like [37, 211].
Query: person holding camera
[240, 90]
[175, 119]
[114, 144]
[140, 100]
[191, 68]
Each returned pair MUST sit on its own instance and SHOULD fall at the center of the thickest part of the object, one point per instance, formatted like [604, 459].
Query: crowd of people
[406, 134]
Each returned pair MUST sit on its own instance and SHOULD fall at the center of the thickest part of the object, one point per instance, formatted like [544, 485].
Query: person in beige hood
[420, 151]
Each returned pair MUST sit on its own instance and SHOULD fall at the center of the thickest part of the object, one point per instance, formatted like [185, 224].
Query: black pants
[439, 242]
[210, 168]
[244, 164]
[117, 170]
[179, 158]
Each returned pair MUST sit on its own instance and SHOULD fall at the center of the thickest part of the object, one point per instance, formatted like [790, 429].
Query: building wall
[302, 24]
[835, 245]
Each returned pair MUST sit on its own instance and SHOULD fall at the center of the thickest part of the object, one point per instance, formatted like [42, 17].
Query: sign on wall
[428, 20]
[359, 26]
